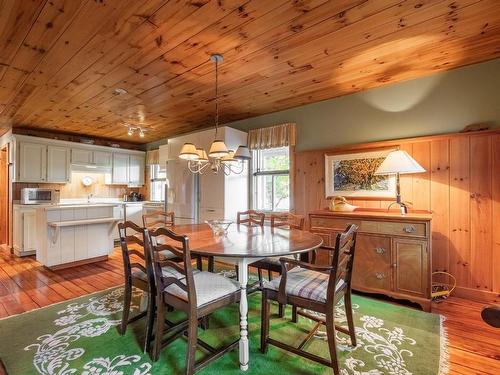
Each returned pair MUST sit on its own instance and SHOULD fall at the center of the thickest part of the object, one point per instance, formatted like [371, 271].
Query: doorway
[4, 196]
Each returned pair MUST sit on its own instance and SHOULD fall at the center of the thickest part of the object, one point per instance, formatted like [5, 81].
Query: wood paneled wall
[461, 186]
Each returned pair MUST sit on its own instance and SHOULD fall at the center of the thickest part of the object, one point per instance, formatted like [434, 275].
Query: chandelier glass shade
[219, 157]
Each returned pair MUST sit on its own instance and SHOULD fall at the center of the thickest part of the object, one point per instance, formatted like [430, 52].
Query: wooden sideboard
[393, 252]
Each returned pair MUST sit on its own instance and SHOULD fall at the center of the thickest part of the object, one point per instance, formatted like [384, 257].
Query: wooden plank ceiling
[61, 60]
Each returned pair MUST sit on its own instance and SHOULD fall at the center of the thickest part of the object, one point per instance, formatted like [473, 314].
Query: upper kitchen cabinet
[81, 157]
[91, 158]
[43, 163]
[120, 173]
[32, 162]
[58, 164]
[102, 159]
[42, 160]
[136, 170]
[128, 169]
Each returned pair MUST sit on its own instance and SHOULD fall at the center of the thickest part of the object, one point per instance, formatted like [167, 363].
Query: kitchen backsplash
[76, 189]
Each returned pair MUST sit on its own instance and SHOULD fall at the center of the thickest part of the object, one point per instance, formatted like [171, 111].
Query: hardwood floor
[474, 346]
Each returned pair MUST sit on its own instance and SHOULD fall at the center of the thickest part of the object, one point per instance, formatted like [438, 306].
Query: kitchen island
[74, 234]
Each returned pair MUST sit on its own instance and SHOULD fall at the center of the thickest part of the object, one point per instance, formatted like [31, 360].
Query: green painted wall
[442, 103]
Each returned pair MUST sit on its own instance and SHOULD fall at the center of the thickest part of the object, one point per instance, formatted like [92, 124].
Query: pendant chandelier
[219, 157]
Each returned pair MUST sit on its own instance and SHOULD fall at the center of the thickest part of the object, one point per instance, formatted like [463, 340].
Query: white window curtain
[272, 137]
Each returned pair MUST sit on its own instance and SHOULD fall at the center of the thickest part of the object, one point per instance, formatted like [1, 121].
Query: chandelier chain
[216, 96]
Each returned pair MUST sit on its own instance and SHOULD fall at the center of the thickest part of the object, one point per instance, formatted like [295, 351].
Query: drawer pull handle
[410, 229]
[380, 275]
[380, 250]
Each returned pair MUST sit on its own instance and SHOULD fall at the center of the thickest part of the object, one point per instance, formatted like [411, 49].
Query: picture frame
[351, 175]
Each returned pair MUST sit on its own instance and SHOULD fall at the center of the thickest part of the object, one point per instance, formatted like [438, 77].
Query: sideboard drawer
[319, 222]
[411, 229]
[394, 228]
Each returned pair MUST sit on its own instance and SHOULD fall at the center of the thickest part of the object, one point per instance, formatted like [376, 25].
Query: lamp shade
[188, 152]
[242, 153]
[399, 162]
[218, 149]
[202, 155]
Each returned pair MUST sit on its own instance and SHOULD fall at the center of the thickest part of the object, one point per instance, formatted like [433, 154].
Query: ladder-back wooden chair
[134, 265]
[158, 219]
[315, 288]
[162, 219]
[286, 221]
[251, 218]
[198, 294]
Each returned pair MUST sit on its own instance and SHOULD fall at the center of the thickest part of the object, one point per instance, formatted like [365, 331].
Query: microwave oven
[39, 196]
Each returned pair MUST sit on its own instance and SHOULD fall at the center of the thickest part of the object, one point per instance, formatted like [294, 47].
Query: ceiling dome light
[130, 131]
[141, 133]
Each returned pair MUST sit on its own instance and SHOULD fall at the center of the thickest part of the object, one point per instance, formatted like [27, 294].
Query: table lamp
[399, 162]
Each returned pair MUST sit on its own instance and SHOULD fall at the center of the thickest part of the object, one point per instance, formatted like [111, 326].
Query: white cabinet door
[58, 164]
[32, 162]
[136, 170]
[102, 158]
[120, 169]
[81, 157]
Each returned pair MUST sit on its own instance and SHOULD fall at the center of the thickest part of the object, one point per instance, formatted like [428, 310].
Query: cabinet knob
[380, 250]
[380, 275]
[410, 229]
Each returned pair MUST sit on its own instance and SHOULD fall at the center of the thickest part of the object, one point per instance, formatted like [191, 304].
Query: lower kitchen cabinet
[24, 230]
[393, 252]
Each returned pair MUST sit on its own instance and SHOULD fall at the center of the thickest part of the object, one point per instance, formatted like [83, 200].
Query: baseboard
[476, 295]
[78, 263]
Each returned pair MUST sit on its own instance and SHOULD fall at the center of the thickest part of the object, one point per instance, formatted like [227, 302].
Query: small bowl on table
[219, 227]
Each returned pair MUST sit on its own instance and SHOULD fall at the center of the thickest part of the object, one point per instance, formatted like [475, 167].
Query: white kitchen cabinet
[58, 164]
[120, 169]
[91, 158]
[41, 160]
[32, 162]
[102, 159]
[81, 157]
[24, 230]
[136, 170]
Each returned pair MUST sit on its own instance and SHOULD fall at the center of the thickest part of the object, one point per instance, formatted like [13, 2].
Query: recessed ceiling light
[120, 91]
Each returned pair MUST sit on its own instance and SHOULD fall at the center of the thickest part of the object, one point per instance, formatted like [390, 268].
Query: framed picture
[353, 175]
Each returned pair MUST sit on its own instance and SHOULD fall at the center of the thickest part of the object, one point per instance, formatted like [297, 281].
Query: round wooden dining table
[243, 245]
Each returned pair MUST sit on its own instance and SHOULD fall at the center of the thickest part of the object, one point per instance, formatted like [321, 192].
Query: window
[157, 184]
[271, 179]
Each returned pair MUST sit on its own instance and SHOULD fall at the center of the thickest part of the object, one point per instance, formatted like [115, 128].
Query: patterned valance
[271, 137]
[153, 157]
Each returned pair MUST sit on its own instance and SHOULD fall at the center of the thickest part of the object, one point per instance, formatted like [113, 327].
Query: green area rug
[81, 337]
